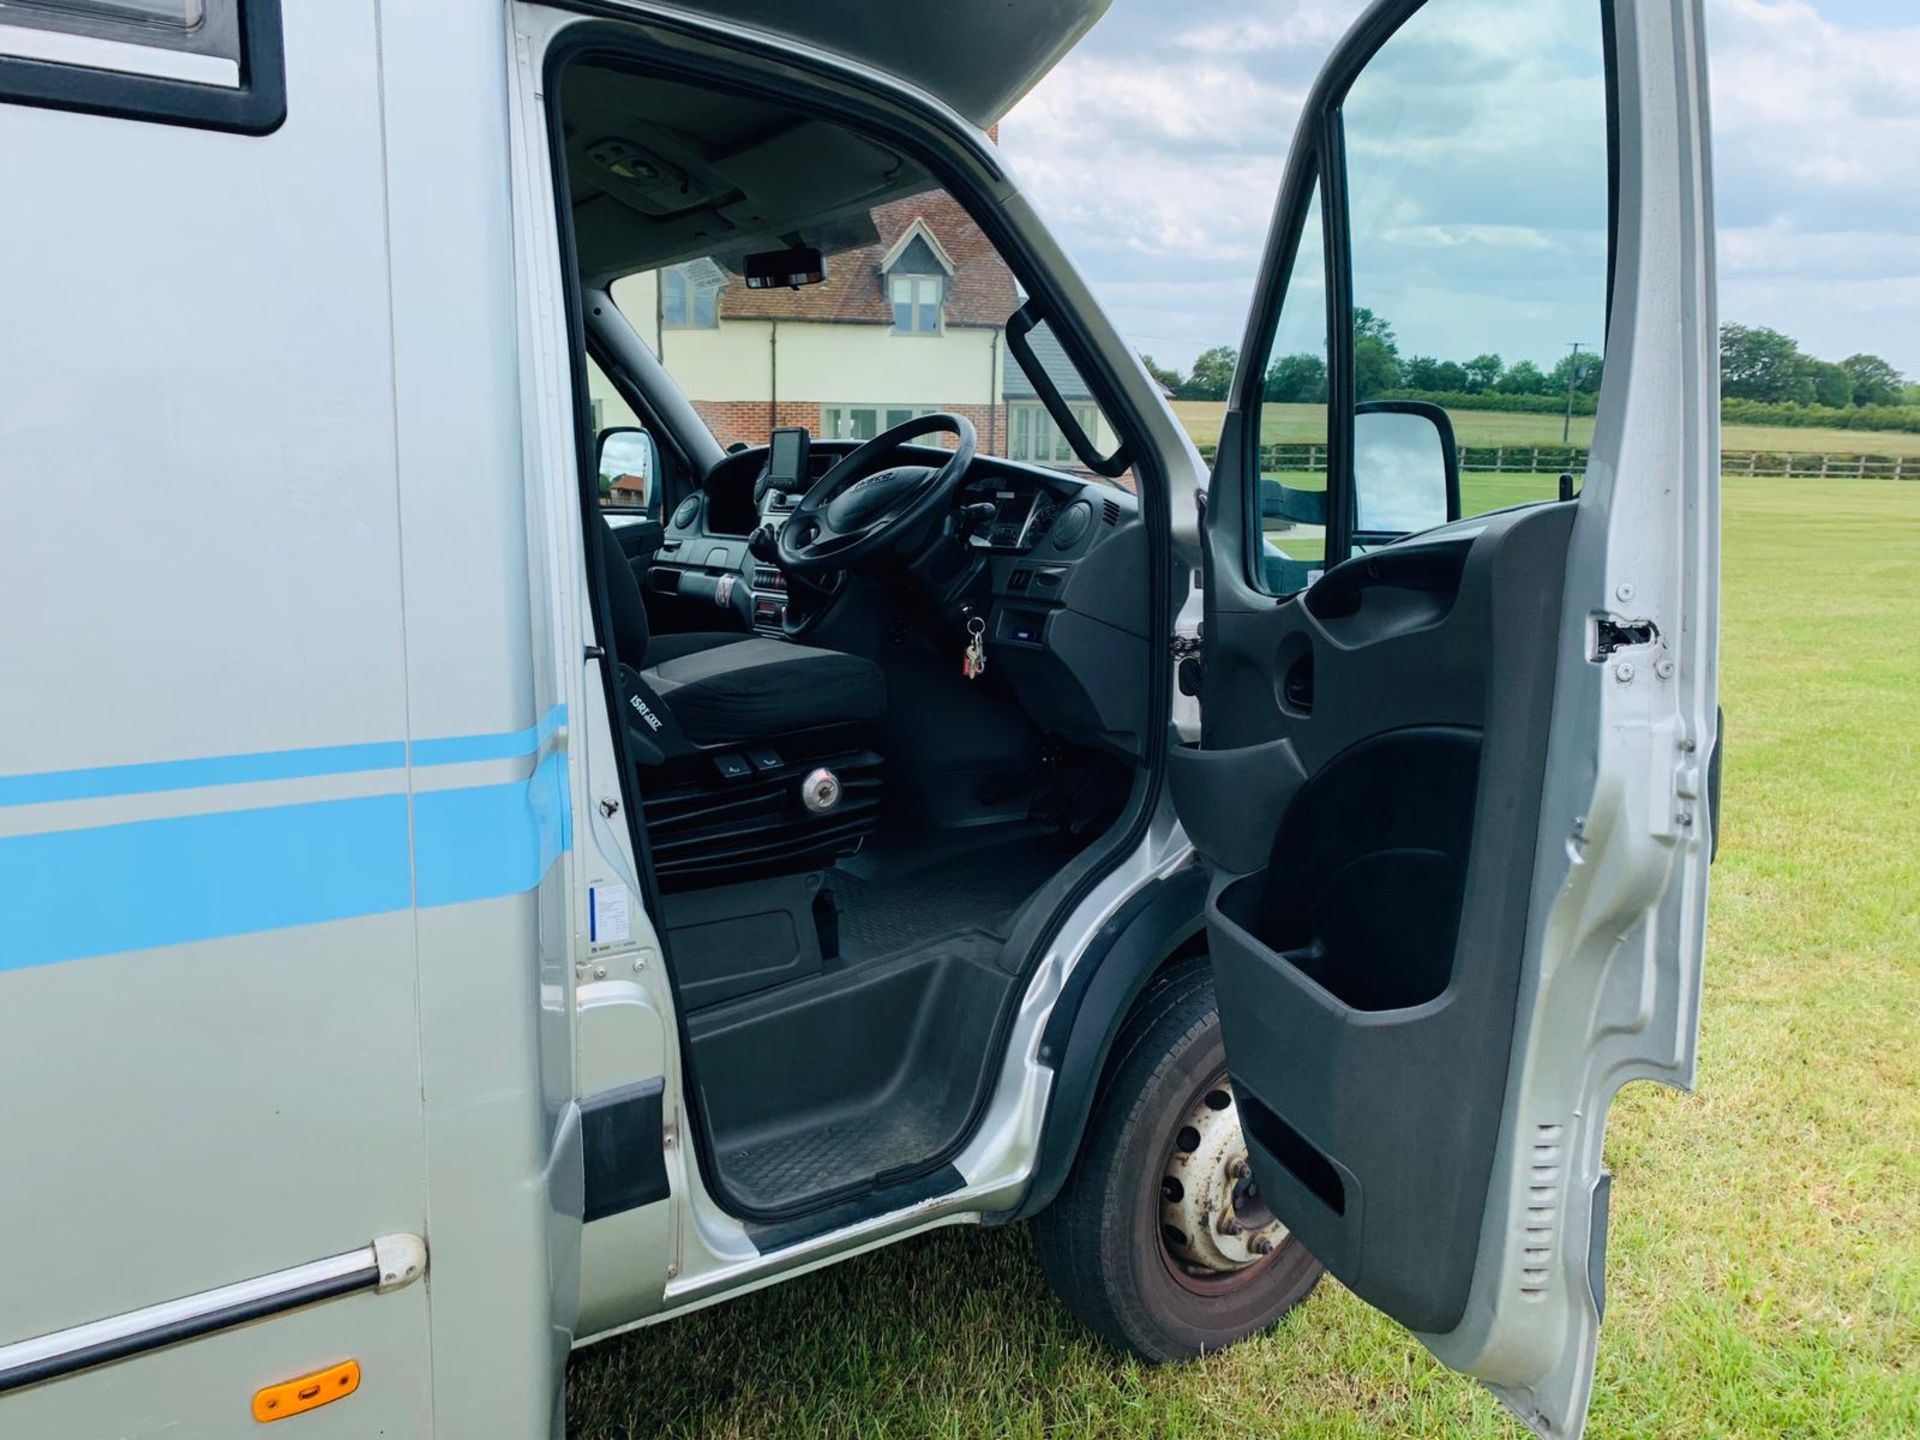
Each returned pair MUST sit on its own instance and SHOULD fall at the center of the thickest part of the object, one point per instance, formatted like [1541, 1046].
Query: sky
[1155, 150]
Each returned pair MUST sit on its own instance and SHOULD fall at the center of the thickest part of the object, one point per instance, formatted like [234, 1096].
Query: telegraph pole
[1573, 375]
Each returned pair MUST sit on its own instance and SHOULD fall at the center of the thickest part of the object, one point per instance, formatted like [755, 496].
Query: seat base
[731, 813]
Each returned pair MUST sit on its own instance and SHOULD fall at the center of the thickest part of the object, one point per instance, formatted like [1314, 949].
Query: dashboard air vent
[1110, 511]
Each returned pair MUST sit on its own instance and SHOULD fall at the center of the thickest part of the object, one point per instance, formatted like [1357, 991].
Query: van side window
[212, 63]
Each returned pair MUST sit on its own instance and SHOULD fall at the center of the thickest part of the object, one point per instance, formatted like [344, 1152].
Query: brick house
[912, 322]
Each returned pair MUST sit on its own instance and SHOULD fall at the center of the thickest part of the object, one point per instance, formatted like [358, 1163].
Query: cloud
[1157, 147]
[1300, 24]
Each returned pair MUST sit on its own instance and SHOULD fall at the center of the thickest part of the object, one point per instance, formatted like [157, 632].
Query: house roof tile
[981, 291]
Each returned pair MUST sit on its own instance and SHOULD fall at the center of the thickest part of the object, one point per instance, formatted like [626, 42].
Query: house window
[1032, 435]
[916, 304]
[688, 301]
[863, 422]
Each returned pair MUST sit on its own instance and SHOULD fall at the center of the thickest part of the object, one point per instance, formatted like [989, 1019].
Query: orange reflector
[309, 1392]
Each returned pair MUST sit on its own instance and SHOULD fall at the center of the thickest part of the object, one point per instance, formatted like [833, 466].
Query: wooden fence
[1561, 459]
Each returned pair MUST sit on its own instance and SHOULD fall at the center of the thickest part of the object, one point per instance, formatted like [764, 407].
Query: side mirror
[1406, 470]
[628, 464]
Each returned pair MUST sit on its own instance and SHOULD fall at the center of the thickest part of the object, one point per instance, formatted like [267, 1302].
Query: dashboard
[1037, 512]
[1060, 571]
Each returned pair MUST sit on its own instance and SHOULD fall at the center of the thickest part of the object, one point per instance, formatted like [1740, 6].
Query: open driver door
[1459, 733]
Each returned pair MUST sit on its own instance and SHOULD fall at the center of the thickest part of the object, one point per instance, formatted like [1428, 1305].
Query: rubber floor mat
[980, 889]
[786, 1169]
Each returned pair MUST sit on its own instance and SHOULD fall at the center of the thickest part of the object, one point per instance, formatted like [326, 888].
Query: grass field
[1282, 423]
[1764, 1268]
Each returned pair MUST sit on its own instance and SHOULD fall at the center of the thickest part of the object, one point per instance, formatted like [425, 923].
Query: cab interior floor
[910, 890]
[873, 1065]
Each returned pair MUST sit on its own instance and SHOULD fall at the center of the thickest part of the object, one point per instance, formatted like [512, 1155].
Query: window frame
[881, 411]
[691, 298]
[1320, 155]
[914, 279]
[1040, 421]
[256, 106]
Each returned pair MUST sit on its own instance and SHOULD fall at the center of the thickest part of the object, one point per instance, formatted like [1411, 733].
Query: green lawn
[1764, 1275]
[1301, 423]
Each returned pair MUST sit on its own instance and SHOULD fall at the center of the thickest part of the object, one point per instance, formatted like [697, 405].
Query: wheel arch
[1162, 924]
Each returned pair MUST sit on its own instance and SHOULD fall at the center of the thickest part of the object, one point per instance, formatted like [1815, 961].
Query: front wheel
[1159, 1242]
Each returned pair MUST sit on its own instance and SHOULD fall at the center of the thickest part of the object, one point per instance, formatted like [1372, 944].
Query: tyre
[1159, 1242]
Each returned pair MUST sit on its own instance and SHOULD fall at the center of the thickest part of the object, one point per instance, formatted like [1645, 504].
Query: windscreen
[675, 188]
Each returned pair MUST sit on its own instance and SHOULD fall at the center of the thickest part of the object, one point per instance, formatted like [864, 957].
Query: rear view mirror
[628, 463]
[1406, 469]
[784, 269]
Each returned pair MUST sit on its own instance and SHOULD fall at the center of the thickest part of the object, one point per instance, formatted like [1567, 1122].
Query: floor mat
[823, 1157]
[911, 894]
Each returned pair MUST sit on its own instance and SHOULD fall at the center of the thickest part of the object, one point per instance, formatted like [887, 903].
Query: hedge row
[1902, 418]
[1493, 400]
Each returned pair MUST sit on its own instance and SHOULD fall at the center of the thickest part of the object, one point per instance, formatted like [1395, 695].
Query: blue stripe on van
[68, 894]
[109, 780]
[197, 774]
[65, 894]
[492, 839]
[461, 748]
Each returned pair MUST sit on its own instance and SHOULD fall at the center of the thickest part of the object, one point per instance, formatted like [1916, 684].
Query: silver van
[617, 687]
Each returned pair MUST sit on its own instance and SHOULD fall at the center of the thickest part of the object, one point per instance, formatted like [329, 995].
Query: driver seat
[729, 689]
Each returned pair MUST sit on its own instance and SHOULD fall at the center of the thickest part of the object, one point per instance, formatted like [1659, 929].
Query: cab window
[911, 319]
[1463, 331]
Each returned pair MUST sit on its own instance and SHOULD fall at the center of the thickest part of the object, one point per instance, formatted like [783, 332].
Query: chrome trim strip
[62, 1352]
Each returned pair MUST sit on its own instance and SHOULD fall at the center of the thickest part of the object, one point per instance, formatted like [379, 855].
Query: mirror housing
[1406, 469]
[629, 466]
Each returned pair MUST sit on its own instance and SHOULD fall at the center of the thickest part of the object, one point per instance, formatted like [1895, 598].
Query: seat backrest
[627, 610]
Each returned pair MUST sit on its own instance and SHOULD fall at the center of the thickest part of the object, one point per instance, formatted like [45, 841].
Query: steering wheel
[860, 506]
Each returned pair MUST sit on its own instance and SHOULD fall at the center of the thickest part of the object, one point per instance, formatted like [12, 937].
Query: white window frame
[1039, 423]
[917, 284]
[692, 293]
[833, 417]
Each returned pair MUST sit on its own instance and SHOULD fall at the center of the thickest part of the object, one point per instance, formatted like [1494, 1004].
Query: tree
[1369, 326]
[1168, 378]
[1483, 373]
[1585, 369]
[1832, 385]
[1523, 377]
[1376, 355]
[1375, 368]
[1422, 372]
[1297, 379]
[1761, 364]
[1212, 374]
[1875, 382]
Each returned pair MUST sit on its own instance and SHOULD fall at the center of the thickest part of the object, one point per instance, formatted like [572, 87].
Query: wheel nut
[1227, 1225]
[1261, 1246]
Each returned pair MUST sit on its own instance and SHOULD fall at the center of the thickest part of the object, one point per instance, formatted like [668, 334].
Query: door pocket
[1230, 800]
[1345, 945]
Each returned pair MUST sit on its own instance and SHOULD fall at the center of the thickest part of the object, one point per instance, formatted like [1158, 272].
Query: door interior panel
[1368, 958]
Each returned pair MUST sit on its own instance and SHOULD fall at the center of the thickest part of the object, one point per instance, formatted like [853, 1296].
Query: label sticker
[607, 914]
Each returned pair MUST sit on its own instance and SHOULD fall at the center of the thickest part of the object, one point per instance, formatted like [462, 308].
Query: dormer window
[916, 304]
[690, 296]
[916, 271]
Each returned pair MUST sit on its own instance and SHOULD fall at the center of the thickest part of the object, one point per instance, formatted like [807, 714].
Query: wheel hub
[1212, 1218]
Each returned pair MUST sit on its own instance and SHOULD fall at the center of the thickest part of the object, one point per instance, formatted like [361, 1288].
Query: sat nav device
[787, 458]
